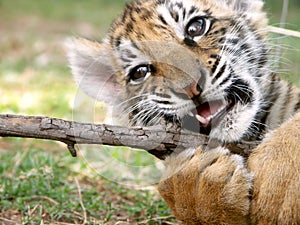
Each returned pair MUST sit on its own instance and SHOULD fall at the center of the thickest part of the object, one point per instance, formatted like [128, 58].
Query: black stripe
[117, 41]
[245, 47]
[207, 12]
[125, 14]
[264, 113]
[162, 19]
[175, 16]
[227, 78]
[270, 98]
[288, 96]
[161, 27]
[132, 18]
[213, 70]
[202, 80]
[145, 15]
[233, 41]
[125, 59]
[129, 27]
[239, 90]
[163, 95]
[192, 10]
[220, 31]
[137, 10]
[183, 13]
[214, 56]
[219, 74]
[161, 1]
[128, 56]
[264, 57]
[134, 45]
[179, 5]
[297, 106]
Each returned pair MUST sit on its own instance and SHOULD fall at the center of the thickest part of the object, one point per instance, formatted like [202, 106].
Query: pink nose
[191, 90]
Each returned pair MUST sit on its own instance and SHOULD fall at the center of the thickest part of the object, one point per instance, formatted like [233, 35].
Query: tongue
[206, 109]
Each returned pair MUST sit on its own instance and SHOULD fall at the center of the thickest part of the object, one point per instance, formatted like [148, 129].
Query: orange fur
[229, 62]
[212, 186]
[276, 168]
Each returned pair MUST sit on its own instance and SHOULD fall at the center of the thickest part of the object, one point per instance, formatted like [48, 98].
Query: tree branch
[159, 141]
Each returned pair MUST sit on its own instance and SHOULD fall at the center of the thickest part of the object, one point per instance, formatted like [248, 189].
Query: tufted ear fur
[92, 69]
[243, 6]
[251, 10]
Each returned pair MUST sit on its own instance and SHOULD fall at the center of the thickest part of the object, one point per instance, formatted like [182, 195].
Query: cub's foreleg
[276, 168]
[207, 187]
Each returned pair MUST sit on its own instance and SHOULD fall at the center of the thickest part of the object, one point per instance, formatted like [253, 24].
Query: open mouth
[207, 115]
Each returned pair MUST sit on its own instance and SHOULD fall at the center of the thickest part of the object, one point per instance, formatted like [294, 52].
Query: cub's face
[202, 63]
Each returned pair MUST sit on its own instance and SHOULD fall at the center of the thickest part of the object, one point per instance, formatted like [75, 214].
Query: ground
[40, 183]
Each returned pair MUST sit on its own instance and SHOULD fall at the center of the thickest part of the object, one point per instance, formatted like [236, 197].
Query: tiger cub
[206, 65]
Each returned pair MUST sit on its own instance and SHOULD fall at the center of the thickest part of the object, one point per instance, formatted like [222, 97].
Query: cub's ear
[243, 6]
[92, 69]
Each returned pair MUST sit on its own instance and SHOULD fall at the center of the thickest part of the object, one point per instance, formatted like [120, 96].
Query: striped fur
[227, 66]
[207, 65]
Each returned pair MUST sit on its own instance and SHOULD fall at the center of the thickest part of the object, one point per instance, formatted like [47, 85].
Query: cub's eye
[140, 73]
[197, 27]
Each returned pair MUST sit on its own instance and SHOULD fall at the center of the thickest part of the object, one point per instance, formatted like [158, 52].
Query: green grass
[38, 185]
[98, 12]
[38, 179]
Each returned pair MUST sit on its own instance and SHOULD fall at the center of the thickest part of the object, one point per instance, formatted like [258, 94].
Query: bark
[159, 141]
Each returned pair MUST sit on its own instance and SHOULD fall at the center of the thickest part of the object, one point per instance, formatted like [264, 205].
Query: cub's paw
[207, 187]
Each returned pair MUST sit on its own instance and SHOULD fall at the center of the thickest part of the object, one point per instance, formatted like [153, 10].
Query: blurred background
[39, 181]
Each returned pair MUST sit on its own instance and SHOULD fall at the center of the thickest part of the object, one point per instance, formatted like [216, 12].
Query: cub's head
[199, 62]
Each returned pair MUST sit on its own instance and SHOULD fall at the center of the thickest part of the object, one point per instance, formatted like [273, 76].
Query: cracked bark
[159, 141]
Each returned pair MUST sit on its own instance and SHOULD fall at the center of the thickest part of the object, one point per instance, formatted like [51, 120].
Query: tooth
[190, 114]
[201, 119]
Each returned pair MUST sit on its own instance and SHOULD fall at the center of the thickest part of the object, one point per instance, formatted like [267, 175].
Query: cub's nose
[191, 90]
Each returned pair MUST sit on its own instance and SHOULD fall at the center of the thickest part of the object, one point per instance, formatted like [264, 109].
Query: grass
[40, 187]
[40, 183]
